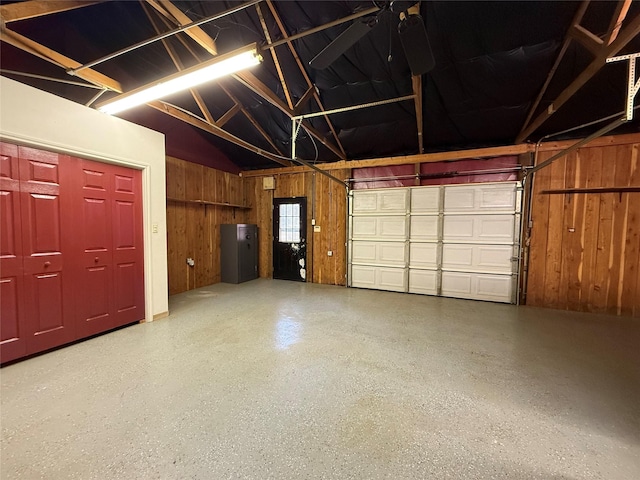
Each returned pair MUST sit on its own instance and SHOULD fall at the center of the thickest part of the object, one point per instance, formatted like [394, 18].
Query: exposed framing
[616, 39]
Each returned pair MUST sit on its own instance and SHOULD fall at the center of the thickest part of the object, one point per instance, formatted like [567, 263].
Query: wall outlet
[316, 229]
[330, 253]
[154, 228]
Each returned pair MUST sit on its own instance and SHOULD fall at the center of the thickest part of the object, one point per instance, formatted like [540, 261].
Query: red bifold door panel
[71, 254]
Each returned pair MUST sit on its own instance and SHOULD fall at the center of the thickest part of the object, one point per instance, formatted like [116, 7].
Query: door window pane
[289, 223]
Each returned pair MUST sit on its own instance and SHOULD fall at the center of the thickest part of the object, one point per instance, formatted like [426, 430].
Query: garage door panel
[485, 258]
[393, 279]
[379, 278]
[424, 227]
[479, 228]
[379, 228]
[423, 281]
[453, 240]
[380, 201]
[379, 253]
[477, 286]
[425, 200]
[423, 255]
[480, 198]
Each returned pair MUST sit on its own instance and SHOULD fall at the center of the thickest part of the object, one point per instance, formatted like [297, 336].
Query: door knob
[96, 260]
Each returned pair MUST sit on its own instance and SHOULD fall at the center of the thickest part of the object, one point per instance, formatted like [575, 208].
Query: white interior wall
[32, 117]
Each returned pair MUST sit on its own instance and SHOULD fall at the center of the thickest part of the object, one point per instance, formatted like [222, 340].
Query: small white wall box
[268, 183]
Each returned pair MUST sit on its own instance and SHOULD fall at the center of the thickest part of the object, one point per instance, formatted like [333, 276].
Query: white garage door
[454, 240]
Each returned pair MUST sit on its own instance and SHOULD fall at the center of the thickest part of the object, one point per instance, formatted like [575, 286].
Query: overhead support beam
[622, 8]
[591, 42]
[577, 18]
[38, 8]
[253, 83]
[170, 33]
[624, 37]
[308, 95]
[181, 19]
[191, 119]
[354, 107]
[274, 56]
[603, 131]
[237, 107]
[45, 53]
[304, 73]
[416, 82]
[252, 120]
[319, 28]
[228, 115]
[178, 62]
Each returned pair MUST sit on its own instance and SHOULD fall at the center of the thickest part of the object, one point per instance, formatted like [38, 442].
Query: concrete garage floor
[275, 379]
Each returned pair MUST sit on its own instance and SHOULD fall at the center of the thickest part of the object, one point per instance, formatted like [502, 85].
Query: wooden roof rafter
[177, 62]
[314, 92]
[615, 40]
[38, 8]
[27, 45]
[274, 56]
[237, 106]
[177, 16]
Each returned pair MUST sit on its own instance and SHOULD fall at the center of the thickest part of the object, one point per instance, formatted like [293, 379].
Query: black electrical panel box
[238, 252]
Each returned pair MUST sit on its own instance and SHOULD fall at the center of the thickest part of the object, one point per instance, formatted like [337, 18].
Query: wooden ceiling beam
[175, 58]
[45, 53]
[308, 95]
[416, 82]
[253, 121]
[296, 57]
[577, 18]
[622, 8]
[170, 11]
[217, 131]
[38, 8]
[228, 115]
[274, 56]
[624, 37]
[254, 84]
[590, 41]
[237, 107]
[476, 153]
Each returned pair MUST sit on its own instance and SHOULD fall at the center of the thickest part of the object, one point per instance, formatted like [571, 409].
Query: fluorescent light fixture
[191, 77]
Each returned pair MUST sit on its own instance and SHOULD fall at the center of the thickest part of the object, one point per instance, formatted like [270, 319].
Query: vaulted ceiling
[505, 72]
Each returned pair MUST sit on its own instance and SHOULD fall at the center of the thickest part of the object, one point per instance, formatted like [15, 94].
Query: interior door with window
[289, 239]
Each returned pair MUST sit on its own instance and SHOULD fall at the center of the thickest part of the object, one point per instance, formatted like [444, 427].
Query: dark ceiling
[491, 61]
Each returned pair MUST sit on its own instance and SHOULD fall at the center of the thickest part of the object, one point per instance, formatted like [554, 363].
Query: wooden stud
[416, 81]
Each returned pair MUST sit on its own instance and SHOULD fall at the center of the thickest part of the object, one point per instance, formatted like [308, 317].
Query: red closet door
[112, 258]
[13, 342]
[128, 253]
[93, 229]
[46, 213]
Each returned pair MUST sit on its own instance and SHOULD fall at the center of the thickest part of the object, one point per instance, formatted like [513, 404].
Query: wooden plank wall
[193, 230]
[585, 248]
[324, 197]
